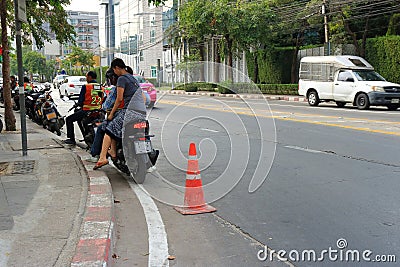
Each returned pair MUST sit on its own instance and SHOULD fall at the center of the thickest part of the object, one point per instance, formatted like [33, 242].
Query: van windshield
[368, 75]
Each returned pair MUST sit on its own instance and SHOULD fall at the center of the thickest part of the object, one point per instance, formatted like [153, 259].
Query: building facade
[86, 25]
[139, 36]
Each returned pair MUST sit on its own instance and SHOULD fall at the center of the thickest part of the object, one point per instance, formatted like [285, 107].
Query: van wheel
[393, 106]
[313, 99]
[362, 101]
[340, 104]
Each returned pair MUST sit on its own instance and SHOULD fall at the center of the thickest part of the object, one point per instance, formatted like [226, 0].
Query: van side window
[344, 75]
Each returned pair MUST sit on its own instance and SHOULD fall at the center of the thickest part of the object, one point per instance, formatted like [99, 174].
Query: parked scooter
[15, 98]
[136, 155]
[51, 118]
[31, 99]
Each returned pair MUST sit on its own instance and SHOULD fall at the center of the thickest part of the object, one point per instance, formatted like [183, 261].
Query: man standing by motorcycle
[13, 82]
[90, 98]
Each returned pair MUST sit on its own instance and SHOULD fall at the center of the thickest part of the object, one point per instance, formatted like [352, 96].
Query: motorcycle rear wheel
[139, 171]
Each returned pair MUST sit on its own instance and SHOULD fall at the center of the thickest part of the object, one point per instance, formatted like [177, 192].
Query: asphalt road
[325, 181]
[332, 185]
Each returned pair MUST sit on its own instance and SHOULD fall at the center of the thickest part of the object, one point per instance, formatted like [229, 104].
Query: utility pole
[172, 69]
[324, 4]
[20, 16]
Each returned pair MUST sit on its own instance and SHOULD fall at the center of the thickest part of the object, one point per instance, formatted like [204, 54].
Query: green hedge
[152, 80]
[279, 89]
[243, 88]
[274, 65]
[384, 54]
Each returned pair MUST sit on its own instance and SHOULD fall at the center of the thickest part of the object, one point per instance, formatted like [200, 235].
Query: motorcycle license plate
[51, 116]
[143, 147]
[395, 101]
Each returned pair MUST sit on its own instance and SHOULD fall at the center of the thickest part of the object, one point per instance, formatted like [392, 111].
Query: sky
[83, 5]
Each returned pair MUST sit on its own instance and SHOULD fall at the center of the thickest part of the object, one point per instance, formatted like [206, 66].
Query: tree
[79, 57]
[37, 12]
[355, 21]
[9, 117]
[256, 29]
[34, 62]
[157, 2]
[194, 27]
[242, 25]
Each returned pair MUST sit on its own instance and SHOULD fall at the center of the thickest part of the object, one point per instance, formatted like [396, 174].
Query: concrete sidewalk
[53, 211]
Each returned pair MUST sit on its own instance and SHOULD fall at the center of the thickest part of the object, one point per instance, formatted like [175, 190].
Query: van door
[344, 86]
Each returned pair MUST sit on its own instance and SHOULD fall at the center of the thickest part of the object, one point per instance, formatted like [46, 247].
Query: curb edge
[96, 235]
[248, 96]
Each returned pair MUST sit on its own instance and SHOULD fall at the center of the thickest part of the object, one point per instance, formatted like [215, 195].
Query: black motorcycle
[51, 118]
[15, 98]
[136, 154]
[89, 123]
[31, 100]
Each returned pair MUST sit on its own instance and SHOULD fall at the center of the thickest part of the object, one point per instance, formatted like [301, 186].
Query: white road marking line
[304, 149]
[209, 130]
[158, 243]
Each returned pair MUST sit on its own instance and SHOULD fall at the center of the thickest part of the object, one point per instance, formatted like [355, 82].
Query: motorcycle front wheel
[53, 127]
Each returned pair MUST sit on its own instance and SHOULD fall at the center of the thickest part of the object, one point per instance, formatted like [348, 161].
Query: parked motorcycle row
[40, 107]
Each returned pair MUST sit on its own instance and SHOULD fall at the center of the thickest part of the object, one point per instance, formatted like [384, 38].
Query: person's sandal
[100, 164]
[112, 158]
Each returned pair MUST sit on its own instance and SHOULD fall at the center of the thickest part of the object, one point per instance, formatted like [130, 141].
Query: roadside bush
[152, 80]
[279, 89]
[188, 87]
[197, 86]
[228, 87]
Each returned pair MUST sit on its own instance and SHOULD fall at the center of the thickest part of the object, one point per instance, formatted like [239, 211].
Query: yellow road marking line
[188, 104]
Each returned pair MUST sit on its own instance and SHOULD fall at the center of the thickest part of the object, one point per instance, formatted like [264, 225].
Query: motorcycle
[89, 123]
[15, 98]
[31, 99]
[51, 118]
[47, 86]
[34, 93]
[136, 154]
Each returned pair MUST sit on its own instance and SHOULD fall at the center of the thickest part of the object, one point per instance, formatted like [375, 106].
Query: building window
[153, 71]
[141, 39]
[152, 36]
[141, 23]
[141, 58]
[152, 20]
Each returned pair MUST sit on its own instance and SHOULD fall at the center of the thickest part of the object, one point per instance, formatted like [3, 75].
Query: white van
[345, 79]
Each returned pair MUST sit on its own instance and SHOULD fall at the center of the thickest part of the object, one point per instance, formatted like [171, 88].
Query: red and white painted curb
[96, 233]
[249, 96]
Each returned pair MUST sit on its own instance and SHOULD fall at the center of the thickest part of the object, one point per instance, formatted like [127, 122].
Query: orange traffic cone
[194, 196]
